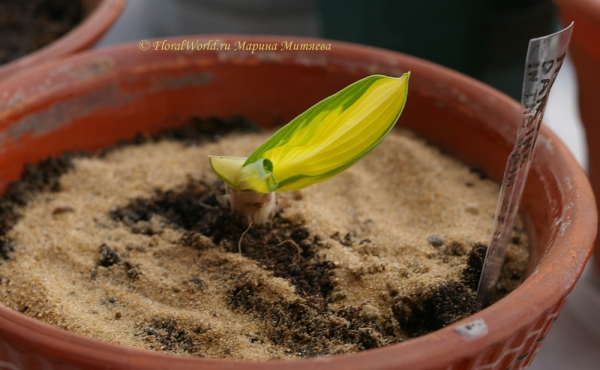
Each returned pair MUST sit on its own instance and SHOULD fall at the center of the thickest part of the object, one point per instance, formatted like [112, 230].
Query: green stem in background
[317, 145]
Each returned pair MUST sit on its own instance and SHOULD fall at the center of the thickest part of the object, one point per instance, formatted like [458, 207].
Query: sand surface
[391, 229]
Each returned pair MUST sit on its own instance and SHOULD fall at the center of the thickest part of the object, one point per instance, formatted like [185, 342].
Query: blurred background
[484, 39]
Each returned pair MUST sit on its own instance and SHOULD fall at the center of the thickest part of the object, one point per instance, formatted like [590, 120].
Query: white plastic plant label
[545, 56]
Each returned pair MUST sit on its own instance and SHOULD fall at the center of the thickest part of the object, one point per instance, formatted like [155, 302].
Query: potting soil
[26, 26]
[137, 246]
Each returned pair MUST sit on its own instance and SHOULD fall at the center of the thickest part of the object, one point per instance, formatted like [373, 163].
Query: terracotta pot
[585, 52]
[94, 99]
[99, 16]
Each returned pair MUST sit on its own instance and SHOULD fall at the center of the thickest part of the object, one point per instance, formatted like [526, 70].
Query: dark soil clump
[108, 256]
[472, 273]
[307, 330]
[286, 249]
[26, 26]
[169, 337]
[6, 248]
[435, 309]
[38, 178]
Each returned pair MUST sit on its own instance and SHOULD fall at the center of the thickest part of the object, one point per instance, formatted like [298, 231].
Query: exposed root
[242, 237]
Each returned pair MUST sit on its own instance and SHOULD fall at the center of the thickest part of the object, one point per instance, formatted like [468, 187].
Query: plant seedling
[317, 145]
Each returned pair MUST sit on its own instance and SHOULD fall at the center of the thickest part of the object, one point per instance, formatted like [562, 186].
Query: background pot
[96, 98]
[99, 15]
[585, 52]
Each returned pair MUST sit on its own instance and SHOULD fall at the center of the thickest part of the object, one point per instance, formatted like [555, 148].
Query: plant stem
[253, 207]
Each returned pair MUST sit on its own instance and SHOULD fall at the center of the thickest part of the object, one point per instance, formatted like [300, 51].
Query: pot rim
[500, 318]
[82, 36]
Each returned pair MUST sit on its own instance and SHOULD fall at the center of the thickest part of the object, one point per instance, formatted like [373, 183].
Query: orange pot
[585, 52]
[94, 99]
[99, 16]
